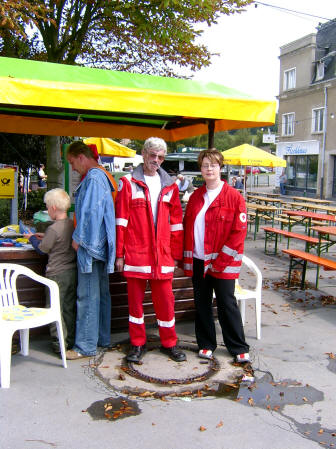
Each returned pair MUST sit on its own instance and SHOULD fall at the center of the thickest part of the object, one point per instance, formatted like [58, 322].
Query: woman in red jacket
[214, 232]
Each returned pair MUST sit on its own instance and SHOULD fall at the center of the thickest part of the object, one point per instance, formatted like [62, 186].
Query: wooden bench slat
[290, 234]
[326, 263]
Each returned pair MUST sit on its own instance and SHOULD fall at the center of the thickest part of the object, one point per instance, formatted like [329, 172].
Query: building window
[317, 120]
[288, 124]
[289, 79]
[302, 172]
[319, 71]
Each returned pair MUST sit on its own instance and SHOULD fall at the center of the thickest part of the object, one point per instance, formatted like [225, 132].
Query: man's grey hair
[156, 144]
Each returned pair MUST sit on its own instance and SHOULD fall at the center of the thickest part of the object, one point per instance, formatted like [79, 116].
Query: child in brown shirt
[61, 267]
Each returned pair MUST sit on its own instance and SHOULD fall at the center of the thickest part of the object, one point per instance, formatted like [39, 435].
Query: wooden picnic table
[313, 207]
[306, 218]
[310, 200]
[271, 195]
[261, 210]
[264, 199]
[298, 258]
[324, 233]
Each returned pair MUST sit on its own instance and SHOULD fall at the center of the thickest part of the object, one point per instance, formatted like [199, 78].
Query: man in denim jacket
[94, 241]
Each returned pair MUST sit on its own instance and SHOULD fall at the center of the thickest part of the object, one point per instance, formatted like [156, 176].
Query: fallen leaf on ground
[202, 428]
[220, 424]
[146, 394]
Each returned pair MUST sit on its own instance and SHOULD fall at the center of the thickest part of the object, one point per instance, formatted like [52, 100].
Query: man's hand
[39, 235]
[119, 264]
[75, 245]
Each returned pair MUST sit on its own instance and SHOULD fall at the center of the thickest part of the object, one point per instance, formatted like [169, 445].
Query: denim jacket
[95, 230]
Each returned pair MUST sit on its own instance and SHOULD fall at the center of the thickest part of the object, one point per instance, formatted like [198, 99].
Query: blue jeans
[93, 324]
[282, 188]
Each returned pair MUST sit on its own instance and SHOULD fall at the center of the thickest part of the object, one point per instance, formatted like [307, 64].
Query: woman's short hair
[58, 198]
[156, 144]
[77, 148]
[214, 156]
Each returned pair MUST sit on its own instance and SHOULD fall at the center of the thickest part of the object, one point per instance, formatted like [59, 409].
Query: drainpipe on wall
[324, 139]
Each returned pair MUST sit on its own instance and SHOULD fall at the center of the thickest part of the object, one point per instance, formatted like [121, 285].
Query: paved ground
[290, 406]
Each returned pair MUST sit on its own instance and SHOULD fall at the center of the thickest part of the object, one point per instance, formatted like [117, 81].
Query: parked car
[255, 170]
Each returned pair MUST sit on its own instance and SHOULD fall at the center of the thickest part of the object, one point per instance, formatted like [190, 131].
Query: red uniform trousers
[163, 302]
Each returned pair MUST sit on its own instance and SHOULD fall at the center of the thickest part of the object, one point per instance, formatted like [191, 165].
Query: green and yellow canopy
[57, 99]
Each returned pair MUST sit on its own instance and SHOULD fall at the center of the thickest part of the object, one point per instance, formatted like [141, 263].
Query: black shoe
[176, 354]
[136, 353]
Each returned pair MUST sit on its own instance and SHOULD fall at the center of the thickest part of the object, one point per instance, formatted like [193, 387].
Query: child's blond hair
[58, 198]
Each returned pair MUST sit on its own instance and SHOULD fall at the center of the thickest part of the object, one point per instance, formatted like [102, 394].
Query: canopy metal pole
[211, 133]
[14, 201]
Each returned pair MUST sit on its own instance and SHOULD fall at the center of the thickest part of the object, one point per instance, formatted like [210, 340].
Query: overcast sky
[249, 43]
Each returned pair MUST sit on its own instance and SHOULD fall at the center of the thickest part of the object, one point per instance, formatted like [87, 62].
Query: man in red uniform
[149, 242]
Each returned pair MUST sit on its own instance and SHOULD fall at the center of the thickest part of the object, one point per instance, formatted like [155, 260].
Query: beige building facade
[307, 112]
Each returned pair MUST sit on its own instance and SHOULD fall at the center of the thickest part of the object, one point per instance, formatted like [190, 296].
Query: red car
[255, 170]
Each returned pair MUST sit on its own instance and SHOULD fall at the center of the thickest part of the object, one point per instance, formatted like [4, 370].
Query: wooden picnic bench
[272, 234]
[301, 258]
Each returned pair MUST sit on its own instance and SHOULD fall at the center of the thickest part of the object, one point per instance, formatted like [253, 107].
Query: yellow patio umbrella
[249, 155]
[108, 147]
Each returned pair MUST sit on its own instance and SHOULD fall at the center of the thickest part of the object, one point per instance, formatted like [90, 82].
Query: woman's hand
[214, 270]
[119, 264]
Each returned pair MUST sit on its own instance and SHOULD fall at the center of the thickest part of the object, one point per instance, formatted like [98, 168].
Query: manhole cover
[159, 369]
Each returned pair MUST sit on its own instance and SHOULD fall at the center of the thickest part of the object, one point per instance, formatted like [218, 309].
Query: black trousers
[228, 312]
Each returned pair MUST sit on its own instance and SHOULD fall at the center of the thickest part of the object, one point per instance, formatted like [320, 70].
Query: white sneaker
[205, 354]
[242, 358]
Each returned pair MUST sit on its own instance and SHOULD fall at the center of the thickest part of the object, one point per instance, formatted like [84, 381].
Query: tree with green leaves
[158, 37]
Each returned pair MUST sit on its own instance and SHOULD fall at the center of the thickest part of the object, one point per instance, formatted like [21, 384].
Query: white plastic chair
[243, 294]
[40, 316]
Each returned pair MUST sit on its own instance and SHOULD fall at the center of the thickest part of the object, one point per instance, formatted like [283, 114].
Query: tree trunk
[55, 169]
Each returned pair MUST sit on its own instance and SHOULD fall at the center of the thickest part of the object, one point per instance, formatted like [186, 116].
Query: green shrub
[34, 203]
[35, 200]
[5, 206]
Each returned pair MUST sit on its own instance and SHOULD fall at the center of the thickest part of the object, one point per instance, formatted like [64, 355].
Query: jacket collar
[203, 188]
[138, 175]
